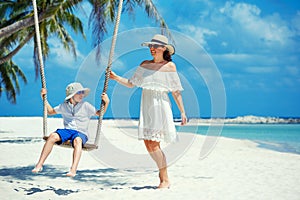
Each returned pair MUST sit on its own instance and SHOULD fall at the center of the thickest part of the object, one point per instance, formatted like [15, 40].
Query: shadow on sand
[24, 180]
[20, 140]
[145, 188]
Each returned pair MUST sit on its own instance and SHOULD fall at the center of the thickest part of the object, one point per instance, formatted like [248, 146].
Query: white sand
[235, 169]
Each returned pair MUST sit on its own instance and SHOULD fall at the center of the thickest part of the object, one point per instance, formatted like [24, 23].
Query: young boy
[76, 115]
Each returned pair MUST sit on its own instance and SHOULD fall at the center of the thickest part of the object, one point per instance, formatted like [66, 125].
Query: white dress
[156, 117]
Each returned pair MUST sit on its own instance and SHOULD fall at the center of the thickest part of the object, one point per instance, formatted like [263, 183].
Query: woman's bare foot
[164, 180]
[164, 184]
[37, 169]
[71, 174]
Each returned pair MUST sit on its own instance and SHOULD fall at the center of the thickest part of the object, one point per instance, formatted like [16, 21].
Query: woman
[157, 77]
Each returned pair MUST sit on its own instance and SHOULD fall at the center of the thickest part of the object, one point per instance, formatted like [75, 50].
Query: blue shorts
[69, 134]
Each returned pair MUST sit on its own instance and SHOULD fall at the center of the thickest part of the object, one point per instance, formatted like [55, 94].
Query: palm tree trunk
[10, 29]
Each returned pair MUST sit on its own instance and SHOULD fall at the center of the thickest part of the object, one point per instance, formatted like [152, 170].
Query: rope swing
[87, 147]
[108, 70]
[42, 73]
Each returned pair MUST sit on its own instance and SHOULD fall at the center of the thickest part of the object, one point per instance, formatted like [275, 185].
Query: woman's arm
[121, 80]
[50, 109]
[178, 99]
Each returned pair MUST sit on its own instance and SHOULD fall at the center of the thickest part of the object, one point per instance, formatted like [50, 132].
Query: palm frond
[97, 20]
[9, 82]
[152, 11]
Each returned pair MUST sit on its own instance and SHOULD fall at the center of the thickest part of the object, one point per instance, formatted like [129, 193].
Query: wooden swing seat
[86, 146]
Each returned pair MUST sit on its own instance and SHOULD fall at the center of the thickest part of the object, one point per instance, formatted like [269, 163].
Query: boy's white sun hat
[73, 88]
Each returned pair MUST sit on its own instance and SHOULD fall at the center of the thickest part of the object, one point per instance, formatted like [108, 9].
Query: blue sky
[234, 58]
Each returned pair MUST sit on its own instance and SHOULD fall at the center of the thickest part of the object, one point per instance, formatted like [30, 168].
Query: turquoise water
[279, 137]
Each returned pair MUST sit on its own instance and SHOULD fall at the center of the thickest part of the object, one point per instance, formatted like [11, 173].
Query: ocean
[278, 137]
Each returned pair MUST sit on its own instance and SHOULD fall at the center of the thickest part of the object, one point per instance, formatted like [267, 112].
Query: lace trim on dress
[156, 135]
[156, 80]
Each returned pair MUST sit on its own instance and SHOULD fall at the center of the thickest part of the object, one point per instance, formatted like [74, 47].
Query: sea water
[279, 137]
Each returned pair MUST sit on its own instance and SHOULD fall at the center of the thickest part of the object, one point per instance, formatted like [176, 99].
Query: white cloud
[296, 23]
[262, 70]
[198, 33]
[233, 57]
[285, 82]
[238, 84]
[240, 27]
[293, 70]
[24, 58]
[62, 57]
[269, 28]
[224, 44]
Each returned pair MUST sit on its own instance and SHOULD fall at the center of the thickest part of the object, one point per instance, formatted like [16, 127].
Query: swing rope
[42, 72]
[107, 74]
[108, 70]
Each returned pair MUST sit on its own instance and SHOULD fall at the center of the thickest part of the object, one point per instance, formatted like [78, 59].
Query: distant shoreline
[249, 119]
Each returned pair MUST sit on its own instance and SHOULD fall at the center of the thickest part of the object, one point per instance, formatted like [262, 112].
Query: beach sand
[234, 169]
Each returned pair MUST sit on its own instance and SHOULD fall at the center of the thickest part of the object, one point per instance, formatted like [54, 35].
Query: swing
[87, 146]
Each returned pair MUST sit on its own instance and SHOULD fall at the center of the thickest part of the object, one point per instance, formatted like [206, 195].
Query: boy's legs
[77, 144]
[78, 140]
[53, 138]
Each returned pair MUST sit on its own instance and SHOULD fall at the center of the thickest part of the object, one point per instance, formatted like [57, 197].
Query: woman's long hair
[167, 56]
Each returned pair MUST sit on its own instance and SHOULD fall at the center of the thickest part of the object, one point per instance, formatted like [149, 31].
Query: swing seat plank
[67, 144]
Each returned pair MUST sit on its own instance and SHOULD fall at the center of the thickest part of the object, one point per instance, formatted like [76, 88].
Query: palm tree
[17, 24]
[103, 12]
[20, 13]
[9, 73]
[61, 16]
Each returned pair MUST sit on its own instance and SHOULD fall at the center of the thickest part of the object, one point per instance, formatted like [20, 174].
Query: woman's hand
[121, 80]
[183, 119]
[113, 75]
